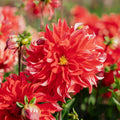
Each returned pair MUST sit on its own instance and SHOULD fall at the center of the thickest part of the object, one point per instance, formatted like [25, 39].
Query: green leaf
[26, 99]
[115, 79]
[42, 102]
[117, 82]
[33, 101]
[107, 40]
[117, 103]
[67, 107]
[75, 114]
[21, 36]
[20, 105]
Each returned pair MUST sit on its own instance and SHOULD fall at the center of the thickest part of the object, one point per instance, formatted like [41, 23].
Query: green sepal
[107, 40]
[113, 67]
[26, 99]
[107, 69]
[33, 101]
[20, 105]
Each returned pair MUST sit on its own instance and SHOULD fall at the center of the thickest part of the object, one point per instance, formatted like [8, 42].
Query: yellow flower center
[63, 61]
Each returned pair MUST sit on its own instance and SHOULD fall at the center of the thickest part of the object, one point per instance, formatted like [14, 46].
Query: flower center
[63, 60]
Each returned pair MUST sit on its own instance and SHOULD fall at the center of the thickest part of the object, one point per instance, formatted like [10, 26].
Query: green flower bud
[113, 67]
[107, 69]
[26, 41]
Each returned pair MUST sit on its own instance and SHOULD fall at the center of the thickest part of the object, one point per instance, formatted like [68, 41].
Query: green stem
[19, 60]
[60, 113]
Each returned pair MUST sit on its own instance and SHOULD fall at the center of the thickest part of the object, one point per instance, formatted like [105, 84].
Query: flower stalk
[19, 59]
[60, 112]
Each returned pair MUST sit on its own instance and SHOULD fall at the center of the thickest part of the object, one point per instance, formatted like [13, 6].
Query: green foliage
[33, 101]
[25, 99]
[73, 115]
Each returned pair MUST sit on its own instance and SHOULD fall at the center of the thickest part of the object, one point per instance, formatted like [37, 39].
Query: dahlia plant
[60, 65]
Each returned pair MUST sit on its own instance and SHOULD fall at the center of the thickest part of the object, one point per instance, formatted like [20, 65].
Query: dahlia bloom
[9, 23]
[7, 58]
[82, 15]
[108, 26]
[40, 7]
[112, 63]
[20, 101]
[68, 57]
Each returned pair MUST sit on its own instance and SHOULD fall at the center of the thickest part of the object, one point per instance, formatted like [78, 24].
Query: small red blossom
[9, 23]
[40, 7]
[109, 76]
[7, 58]
[69, 56]
[12, 99]
[82, 15]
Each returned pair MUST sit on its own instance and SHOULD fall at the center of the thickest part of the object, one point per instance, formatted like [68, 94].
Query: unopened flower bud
[114, 42]
[12, 42]
[30, 112]
[40, 41]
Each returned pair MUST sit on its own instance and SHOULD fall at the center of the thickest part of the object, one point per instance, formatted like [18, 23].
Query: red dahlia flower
[108, 26]
[39, 7]
[20, 101]
[82, 15]
[9, 23]
[68, 57]
[7, 58]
